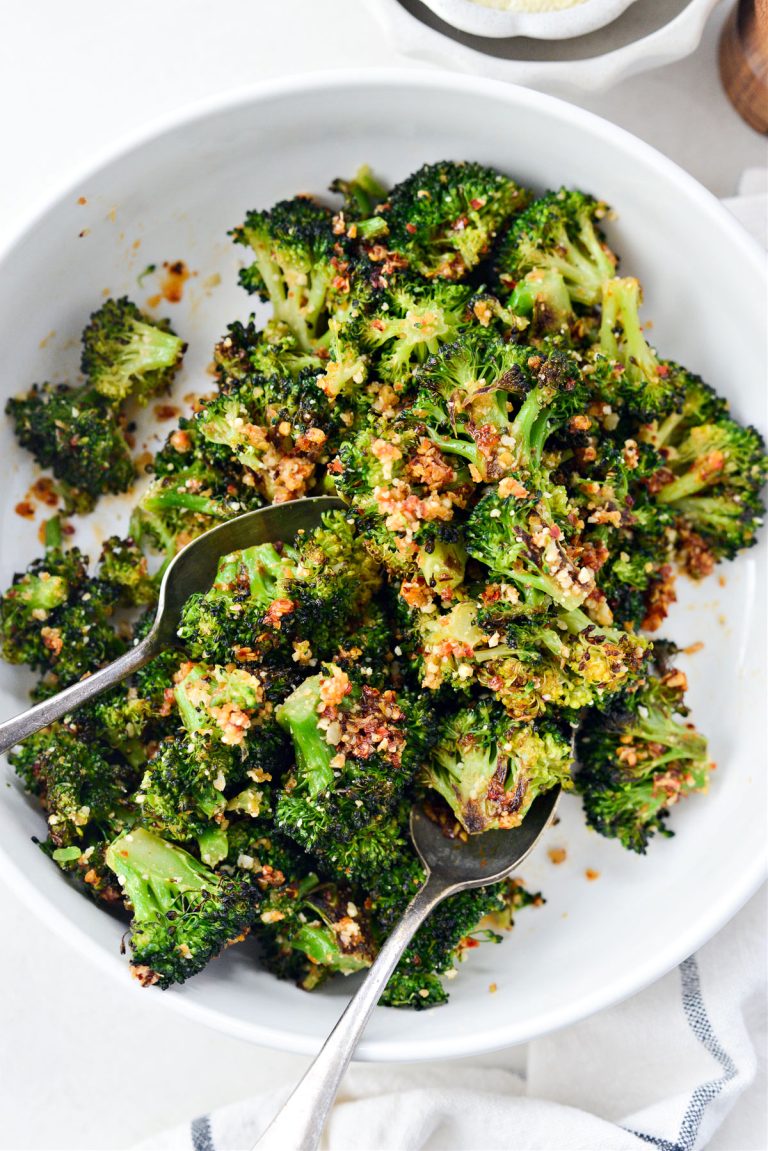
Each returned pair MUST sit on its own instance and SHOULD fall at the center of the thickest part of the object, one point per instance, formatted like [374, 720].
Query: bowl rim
[500, 23]
[739, 889]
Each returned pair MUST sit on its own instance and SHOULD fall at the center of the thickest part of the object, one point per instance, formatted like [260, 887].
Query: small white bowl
[643, 38]
[171, 193]
[561, 24]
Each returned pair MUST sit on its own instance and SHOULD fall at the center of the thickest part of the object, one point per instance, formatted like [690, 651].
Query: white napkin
[662, 1070]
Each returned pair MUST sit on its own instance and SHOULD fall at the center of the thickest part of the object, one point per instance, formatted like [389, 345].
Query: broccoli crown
[352, 759]
[444, 218]
[123, 565]
[466, 393]
[56, 619]
[518, 536]
[312, 930]
[440, 942]
[272, 353]
[74, 432]
[490, 770]
[559, 233]
[82, 790]
[183, 913]
[638, 759]
[408, 322]
[403, 493]
[633, 377]
[299, 266]
[126, 353]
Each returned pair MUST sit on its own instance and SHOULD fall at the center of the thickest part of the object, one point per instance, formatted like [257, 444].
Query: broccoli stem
[153, 872]
[173, 498]
[298, 716]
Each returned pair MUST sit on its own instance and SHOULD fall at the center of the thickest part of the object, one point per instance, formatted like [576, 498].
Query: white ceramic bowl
[175, 191]
[556, 24]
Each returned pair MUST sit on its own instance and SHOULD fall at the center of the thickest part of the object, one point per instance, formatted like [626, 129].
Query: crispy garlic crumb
[557, 855]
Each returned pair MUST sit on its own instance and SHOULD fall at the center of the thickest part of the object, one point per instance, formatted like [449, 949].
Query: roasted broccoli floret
[83, 790]
[352, 757]
[468, 393]
[521, 535]
[123, 565]
[128, 354]
[408, 322]
[76, 433]
[56, 619]
[271, 353]
[490, 770]
[560, 232]
[312, 930]
[637, 760]
[451, 929]
[183, 913]
[214, 624]
[710, 479]
[444, 218]
[632, 376]
[298, 266]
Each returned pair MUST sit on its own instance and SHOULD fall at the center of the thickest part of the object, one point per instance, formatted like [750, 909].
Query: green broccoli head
[519, 533]
[56, 619]
[311, 931]
[183, 913]
[351, 756]
[638, 759]
[272, 353]
[84, 791]
[408, 322]
[490, 770]
[444, 218]
[633, 379]
[559, 232]
[123, 565]
[467, 394]
[128, 354]
[74, 432]
[298, 267]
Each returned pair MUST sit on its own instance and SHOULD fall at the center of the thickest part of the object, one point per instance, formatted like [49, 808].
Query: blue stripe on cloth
[702, 1096]
[200, 1131]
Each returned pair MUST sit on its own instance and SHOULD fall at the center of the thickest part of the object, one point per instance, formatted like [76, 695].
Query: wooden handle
[744, 61]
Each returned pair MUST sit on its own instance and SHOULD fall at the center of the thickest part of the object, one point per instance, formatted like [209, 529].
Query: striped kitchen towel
[673, 1069]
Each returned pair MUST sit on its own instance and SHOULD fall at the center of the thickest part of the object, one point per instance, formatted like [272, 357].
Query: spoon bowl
[192, 570]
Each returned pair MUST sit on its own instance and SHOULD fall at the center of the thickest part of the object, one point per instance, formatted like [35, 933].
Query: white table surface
[79, 1068]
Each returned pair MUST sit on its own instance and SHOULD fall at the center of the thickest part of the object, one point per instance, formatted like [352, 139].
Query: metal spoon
[192, 570]
[452, 865]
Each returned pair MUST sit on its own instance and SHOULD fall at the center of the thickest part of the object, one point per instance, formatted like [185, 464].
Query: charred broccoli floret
[490, 770]
[297, 266]
[128, 354]
[560, 233]
[352, 757]
[467, 393]
[444, 218]
[123, 565]
[637, 760]
[183, 913]
[76, 433]
[56, 619]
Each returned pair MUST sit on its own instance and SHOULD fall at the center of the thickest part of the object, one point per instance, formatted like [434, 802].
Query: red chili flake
[477, 204]
[411, 228]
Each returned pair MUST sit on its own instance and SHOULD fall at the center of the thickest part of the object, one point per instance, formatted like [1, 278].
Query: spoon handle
[298, 1126]
[15, 730]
